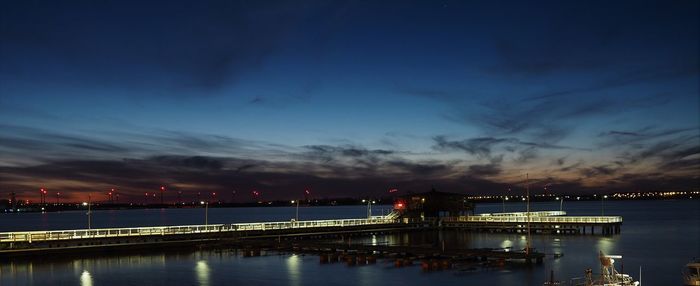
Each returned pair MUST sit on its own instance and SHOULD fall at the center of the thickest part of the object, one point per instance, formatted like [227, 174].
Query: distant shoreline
[53, 207]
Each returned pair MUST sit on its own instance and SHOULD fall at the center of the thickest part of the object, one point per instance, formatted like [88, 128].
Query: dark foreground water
[659, 236]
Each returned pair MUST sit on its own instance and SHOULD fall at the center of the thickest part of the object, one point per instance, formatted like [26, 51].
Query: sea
[658, 238]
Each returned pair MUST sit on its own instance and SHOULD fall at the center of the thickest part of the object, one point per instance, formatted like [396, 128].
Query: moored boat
[608, 274]
[691, 273]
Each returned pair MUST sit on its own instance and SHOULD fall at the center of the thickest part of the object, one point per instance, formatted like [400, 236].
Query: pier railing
[548, 217]
[532, 214]
[538, 219]
[31, 236]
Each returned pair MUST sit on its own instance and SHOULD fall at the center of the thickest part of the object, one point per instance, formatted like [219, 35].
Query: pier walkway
[523, 214]
[538, 224]
[55, 241]
[58, 235]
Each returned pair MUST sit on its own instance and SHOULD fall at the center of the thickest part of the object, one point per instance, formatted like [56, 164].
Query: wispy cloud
[598, 170]
[640, 76]
[484, 147]
[646, 134]
[486, 170]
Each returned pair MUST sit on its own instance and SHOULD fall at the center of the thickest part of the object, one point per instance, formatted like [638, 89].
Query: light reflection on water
[672, 234]
[506, 243]
[293, 270]
[203, 272]
[606, 245]
[85, 278]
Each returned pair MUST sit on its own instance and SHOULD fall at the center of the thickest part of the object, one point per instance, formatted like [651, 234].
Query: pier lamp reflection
[203, 272]
[522, 242]
[293, 270]
[85, 278]
[506, 244]
[605, 245]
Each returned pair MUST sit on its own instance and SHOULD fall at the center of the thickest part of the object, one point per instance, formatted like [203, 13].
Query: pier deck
[540, 222]
[61, 235]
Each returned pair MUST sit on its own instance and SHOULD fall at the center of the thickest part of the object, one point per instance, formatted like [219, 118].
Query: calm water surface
[660, 236]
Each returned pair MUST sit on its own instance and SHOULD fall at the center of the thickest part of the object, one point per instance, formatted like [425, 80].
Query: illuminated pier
[605, 225]
[288, 227]
[414, 212]
[66, 241]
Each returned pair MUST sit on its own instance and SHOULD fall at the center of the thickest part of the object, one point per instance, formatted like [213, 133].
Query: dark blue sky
[348, 98]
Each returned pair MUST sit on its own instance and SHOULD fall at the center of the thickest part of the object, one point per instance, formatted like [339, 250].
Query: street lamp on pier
[89, 211]
[561, 202]
[296, 218]
[206, 212]
[602, 204]
[307, 193]
[369, 207]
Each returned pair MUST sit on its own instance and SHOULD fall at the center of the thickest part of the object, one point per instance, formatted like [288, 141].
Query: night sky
[348, 99]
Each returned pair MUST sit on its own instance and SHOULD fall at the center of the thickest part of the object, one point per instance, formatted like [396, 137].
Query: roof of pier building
[434, 204]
